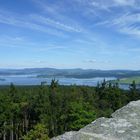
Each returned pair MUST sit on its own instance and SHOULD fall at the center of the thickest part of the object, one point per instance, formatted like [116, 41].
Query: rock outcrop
[123, 125]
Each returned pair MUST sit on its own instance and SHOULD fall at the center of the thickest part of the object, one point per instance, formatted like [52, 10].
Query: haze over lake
[89, 77]
[32, 80]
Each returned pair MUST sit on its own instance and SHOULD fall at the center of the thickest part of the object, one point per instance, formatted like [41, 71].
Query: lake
[33, 80]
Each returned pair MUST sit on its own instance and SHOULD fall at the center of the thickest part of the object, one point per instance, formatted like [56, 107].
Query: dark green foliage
[39, 132]
[31, 110]
[79, 115]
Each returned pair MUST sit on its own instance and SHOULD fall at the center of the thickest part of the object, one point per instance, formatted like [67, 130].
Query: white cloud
[125, 2]
[90, 60]
[49, 48]
[55, 24]
[23, 43]
[39, 23]
[128, 24]
[100, 5]
[127, 19]
[19, 22]
[108, 4]
[58, 13]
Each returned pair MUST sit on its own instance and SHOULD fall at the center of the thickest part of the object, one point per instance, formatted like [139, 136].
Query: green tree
[54, 84]
[39, 132]
[133, 91]
[79, 115]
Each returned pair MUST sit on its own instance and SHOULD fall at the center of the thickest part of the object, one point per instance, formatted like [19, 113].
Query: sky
[88, 34]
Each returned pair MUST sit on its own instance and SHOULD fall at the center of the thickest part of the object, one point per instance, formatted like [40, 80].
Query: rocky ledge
[123, 125]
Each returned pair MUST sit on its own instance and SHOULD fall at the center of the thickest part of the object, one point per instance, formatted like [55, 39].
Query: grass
[128, 80]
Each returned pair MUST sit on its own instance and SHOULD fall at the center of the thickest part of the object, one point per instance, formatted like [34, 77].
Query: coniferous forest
[42, 112]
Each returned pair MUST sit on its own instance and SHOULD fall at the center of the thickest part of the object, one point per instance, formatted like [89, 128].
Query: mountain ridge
[70, 73]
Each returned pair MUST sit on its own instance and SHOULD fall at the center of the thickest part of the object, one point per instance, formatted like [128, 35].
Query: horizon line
[24, 68]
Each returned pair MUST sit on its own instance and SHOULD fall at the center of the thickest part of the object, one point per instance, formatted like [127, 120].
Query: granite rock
[123, 125]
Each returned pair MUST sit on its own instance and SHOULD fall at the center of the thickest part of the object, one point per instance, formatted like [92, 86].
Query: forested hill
[72, 73]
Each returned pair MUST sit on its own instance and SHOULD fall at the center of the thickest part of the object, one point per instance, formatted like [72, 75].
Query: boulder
[124, 124]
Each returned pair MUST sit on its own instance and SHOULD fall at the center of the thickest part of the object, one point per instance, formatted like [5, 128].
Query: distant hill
[70, 73]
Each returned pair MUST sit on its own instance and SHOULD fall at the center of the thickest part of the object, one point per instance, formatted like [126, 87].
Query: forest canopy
[42, 112]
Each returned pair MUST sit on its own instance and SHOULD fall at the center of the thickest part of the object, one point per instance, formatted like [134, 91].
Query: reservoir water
[33, 80]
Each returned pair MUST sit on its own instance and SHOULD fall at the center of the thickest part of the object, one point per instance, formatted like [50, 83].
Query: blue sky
[89, 34]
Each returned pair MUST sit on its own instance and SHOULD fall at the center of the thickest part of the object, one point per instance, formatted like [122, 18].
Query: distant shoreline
[128, 80]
